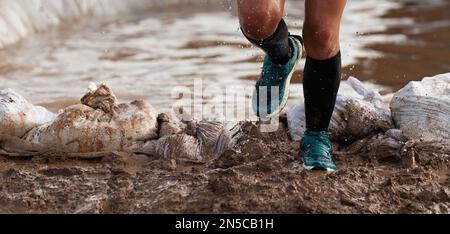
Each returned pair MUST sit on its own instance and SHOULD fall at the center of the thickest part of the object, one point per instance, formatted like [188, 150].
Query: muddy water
[425, 52]
[386, 43]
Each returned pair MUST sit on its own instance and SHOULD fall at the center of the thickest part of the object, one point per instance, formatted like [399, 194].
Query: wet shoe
[316, 150]
[277, 78]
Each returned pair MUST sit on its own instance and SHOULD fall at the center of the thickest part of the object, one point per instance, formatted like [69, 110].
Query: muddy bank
[101, 156]
[261, 174]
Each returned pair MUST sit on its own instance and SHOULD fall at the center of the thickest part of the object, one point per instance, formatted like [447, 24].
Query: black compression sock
[321, 84]
[277, 45]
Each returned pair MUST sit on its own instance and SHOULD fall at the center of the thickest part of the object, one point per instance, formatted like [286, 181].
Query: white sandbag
[99, 124]
[198, 142]
[353, 118]
[181, 147]
[168, 127]
[216, 137]
[422, 109]
[296, 122]
[18, 116]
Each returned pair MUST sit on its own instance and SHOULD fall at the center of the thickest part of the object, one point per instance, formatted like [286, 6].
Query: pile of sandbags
[98, 124]
[422, 109]
[354, 117]
[18, 116]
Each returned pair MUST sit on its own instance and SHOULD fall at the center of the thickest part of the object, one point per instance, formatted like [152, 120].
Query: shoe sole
[287, 84]
[309, 168]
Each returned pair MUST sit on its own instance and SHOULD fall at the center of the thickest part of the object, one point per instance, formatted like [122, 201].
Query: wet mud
[260, 174]
[382, 173]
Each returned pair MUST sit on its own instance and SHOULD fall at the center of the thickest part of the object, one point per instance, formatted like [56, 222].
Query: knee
[321, 41]
[258, 21]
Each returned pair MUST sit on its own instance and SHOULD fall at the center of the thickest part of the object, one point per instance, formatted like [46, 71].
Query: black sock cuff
[277, 45]
[327, 62]
[280, 33]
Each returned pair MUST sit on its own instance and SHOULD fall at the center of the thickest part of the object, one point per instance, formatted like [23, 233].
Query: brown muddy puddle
[426, 51]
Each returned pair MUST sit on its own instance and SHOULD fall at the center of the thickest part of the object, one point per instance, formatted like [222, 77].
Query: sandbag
[18, 116]
[353, 118]
[422, 109]
[180, 147]
[199, 141]
[98, 124]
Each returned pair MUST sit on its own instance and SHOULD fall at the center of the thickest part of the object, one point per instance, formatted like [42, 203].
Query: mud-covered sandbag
[167, 126]
[99, 124]
[18, 116]
[393, 146]
[422, 109]
[353, 118]
[216, 136]
[198, 142]
[180, 147]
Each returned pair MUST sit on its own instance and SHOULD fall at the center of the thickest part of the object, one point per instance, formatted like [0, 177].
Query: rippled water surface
[145, 56]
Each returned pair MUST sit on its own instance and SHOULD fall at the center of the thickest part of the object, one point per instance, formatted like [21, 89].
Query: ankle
[278, 46]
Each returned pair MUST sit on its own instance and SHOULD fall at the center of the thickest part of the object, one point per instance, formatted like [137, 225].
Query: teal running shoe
[316, 150]
[272, 89]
